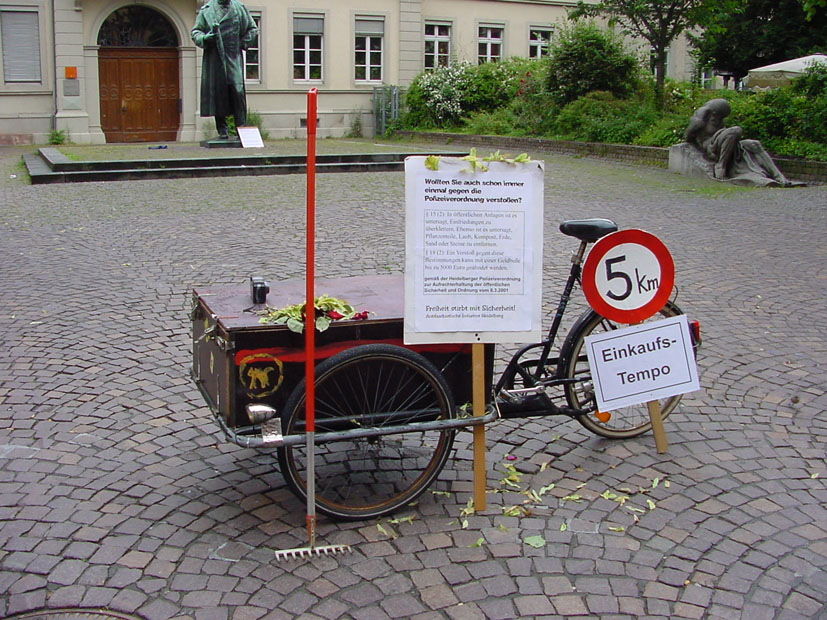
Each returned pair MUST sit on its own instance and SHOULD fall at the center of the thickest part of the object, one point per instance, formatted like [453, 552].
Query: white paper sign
[642, 363]
[473, 269]
[250, 137]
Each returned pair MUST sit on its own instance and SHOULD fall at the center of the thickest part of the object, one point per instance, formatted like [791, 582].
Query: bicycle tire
[370, 385]
[623, 423]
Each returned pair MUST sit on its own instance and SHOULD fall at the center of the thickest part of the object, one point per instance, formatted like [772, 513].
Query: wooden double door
[139, 93]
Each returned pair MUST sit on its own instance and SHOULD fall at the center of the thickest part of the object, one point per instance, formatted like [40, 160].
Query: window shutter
[21, 46]
[307, 24]
[370, 26]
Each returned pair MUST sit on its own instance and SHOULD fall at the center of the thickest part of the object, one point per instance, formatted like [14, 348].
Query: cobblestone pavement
[118, 492]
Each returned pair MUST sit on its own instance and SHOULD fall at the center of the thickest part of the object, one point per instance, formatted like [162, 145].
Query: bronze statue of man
[731, 156]
[223, 29]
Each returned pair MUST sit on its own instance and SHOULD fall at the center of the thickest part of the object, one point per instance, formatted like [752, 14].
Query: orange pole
[310, 320]
[309, 308]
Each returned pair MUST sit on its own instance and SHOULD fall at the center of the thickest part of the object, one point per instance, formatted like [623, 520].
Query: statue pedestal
[221, 143]
[687, 160]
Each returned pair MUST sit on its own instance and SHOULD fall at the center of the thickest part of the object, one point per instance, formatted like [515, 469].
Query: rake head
[303, 553]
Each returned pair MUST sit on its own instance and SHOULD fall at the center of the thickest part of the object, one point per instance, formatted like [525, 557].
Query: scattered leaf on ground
[538, 542]
[408, 519]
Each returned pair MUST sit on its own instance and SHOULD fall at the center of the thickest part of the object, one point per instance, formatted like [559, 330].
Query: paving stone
[116, 489]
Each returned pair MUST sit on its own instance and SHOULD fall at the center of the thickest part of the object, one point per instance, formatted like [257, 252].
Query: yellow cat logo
[261, 374]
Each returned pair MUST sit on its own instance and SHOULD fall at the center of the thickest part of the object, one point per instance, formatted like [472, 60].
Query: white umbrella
[781, 73]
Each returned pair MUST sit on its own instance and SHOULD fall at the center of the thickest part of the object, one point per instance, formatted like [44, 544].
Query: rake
[311, 550]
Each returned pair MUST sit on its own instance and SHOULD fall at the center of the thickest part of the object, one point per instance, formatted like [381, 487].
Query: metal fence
[385, 107]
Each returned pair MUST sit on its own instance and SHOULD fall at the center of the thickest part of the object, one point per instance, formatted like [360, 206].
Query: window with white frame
[368, 49]
[490, 44]
[20, 37]
[437, 45]
[539, 39]
[308, 33]
[252, 56]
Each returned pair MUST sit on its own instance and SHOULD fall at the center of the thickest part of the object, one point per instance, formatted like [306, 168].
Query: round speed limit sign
[628, 276]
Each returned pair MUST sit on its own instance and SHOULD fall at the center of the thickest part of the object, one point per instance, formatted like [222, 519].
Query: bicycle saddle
[588, 230]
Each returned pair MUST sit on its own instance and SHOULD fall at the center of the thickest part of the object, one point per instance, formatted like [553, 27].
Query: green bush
[58, 137]
[814, 81]
[666, 131]
[523, 97]
[500, 122]
[585, 58]
[601, 117]
[490, 85]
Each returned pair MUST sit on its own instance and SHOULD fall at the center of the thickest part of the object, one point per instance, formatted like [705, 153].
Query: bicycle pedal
[513, 404]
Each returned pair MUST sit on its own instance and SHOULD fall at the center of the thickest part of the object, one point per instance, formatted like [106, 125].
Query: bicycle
[386, 417]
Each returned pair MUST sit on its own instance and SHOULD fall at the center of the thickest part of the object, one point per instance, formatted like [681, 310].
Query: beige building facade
[105, 71]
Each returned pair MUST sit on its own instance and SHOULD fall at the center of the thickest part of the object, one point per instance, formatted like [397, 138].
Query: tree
[659, 22]
[763, 32]
[811, 7]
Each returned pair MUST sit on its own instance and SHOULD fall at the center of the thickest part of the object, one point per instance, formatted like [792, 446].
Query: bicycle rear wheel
[370, 386]
[621, 423]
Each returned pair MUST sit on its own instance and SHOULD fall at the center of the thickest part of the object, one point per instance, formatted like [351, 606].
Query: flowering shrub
[442, 97]
[435, 97]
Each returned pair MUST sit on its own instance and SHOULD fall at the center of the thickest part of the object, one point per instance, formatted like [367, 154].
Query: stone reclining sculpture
[713, 150]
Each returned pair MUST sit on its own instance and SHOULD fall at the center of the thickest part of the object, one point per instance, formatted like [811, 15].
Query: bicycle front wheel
[370, 386]
[621, 423]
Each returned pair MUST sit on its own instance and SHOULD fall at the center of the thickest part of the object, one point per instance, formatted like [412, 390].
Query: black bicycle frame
[513, 368]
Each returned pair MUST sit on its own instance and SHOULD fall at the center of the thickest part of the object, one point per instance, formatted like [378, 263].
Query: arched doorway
[138, 69]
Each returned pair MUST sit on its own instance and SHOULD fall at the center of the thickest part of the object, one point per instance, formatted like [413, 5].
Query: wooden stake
[659, 432]
[478, 404]
[661, 443]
